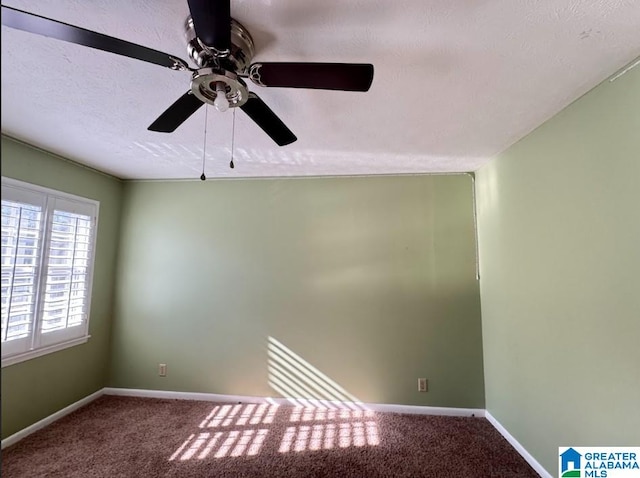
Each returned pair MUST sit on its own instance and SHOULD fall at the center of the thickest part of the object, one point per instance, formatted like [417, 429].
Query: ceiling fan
[223, 49]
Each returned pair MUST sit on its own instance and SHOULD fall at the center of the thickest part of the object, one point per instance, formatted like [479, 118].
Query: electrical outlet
[162, 369]
[422, 385]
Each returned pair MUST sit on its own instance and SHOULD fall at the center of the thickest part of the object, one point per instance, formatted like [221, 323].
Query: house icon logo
[570, 463]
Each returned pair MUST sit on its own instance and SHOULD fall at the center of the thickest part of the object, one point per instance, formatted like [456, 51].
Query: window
[48, 243]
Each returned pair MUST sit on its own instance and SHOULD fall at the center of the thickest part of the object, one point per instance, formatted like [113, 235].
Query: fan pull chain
[204, 145]
[233, 134]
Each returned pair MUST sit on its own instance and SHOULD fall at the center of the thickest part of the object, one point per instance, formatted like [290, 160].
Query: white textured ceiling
[455, 83]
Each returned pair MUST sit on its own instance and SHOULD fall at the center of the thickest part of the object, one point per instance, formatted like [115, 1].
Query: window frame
[44, 343]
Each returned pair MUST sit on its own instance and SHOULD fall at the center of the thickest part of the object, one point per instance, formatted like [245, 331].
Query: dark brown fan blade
[259, 112]
[176, 114]
[31, 23]
[323, 76]
[212, 23]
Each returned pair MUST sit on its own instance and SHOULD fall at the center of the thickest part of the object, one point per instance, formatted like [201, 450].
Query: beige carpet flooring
[139, 437]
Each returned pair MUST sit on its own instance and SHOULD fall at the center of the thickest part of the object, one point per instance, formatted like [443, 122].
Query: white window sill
[14, 359]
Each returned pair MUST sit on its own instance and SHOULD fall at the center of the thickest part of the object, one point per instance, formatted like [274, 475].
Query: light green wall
[369, 280]
[559, 242]
[37, 388]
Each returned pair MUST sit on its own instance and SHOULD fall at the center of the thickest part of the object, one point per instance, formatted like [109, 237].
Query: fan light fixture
[221, 102]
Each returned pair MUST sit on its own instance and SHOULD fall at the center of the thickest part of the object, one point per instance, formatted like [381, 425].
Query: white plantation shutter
[47, 263]
[21, 236]
[66, 286]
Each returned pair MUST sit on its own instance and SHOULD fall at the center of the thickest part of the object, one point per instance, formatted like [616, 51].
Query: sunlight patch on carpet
[241, 430]
[233, 443]
[328, 436]
[323, 416]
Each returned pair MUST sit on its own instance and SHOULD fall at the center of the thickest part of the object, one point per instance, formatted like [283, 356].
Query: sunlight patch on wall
[327, 415]
[301, 383]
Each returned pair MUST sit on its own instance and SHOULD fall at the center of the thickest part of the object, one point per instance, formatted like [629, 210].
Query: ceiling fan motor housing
[216, 69]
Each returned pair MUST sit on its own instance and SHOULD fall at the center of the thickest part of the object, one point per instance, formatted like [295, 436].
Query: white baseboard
[205, 397]
[518, 447]
[16, 437]
[376, 407]
[425, 410]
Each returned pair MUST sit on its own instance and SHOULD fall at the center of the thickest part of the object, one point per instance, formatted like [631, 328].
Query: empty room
[320, 239]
